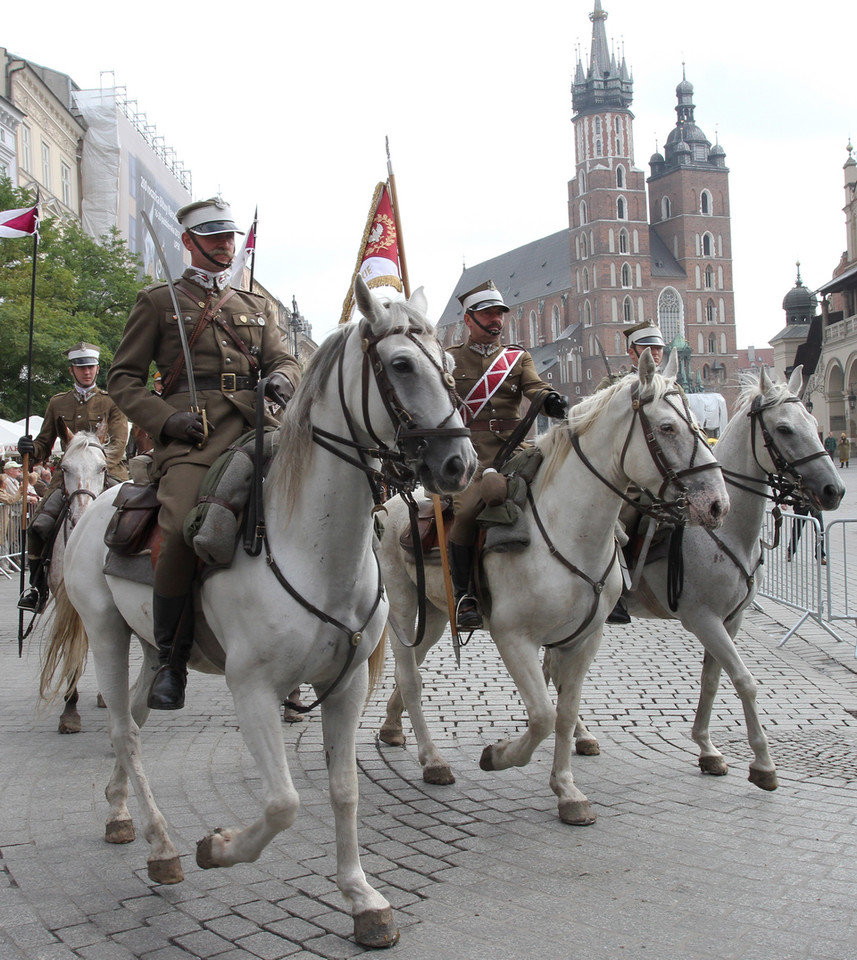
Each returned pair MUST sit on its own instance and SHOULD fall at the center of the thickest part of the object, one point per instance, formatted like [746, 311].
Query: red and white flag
[19, 223]
[378, 260]
[245, 254]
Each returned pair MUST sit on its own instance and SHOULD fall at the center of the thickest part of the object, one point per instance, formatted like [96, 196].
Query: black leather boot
[36, 596]
[467, 613]
[619, 614]
[173, 618]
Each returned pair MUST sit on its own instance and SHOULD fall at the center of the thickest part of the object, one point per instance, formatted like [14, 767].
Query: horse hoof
[99, 702]
[166, 871]
[120, 831]
[375, 928]
[715, 766]
[438, 774]
[292, 716]
[764, 779]
[486, 761]
[392, 736]
[69, 723]
[578, 813]
[587, 748]
[205, 852]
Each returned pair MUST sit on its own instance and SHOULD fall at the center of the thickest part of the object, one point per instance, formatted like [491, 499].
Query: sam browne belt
[226, 382]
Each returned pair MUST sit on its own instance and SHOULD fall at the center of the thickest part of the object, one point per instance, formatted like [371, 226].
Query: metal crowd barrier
[11, 539]
[793, 572]
[840, 540]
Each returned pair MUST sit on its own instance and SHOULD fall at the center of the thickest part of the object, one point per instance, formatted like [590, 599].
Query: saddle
[427, 529]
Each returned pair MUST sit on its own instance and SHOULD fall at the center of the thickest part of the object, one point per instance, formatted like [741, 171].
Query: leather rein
[659, 509]
[396, 470]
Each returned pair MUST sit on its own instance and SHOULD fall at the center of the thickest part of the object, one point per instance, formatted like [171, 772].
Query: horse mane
[295, 440]
[748, 382]
[556, 443]
[81, 439]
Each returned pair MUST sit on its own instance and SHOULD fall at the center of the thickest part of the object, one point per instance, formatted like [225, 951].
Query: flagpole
[435, 499]
[26, 457]
[253, 255]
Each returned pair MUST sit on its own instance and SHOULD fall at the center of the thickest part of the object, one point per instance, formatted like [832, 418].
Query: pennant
[245, 254]
[19, 223]
[378, 261]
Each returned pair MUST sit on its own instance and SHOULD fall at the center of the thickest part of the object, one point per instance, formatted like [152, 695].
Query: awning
[843, 282]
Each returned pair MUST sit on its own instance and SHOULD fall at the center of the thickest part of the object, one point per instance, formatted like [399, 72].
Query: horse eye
[668, 428]
[785, 430]
[402, 365]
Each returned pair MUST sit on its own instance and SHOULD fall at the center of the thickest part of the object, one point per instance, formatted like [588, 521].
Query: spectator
[844, 450]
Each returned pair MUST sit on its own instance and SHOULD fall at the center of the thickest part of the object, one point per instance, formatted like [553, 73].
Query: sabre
[191, 379]
[604, 358]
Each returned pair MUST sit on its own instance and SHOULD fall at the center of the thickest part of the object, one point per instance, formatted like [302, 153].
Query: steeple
[605, 84]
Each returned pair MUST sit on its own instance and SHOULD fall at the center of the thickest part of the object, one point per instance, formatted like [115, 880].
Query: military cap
[207, 216]
[83, 354]
[481, 297]
[645, 334]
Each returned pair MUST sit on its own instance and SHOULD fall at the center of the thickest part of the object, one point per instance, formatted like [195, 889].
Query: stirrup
[33, 600]
[467, 613]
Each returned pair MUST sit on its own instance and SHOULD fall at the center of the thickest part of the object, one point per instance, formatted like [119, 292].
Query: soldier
[492, 380]
[234, 340]
[84, 407]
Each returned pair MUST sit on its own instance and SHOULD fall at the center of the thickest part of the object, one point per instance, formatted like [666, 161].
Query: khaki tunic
[78, 414]
[522, 381]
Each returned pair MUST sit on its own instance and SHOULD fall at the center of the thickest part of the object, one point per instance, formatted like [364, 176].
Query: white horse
[771, 441]
[84, 474]
[377, 396]
[558, 591]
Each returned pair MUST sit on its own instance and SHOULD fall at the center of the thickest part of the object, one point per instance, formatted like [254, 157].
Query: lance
[438, 509]
[191, 379]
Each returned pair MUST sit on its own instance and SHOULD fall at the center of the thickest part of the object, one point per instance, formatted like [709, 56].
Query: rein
[394, 473]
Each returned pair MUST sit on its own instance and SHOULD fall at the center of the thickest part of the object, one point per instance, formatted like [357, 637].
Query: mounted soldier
[232, 340]
[492, 380]
[84, 407]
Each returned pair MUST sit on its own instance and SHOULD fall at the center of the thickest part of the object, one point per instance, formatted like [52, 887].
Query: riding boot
[36, 597]
[619, 613]
[467, 613]
[173, 618]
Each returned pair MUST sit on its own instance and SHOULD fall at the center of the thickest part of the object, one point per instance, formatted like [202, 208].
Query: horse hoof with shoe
[714, 766]
[120, 831]
[375, 929]
[165, 871]
[764, 779]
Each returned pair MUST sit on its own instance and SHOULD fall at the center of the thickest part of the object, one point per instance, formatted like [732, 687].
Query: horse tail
[64, 659]
[376, 664]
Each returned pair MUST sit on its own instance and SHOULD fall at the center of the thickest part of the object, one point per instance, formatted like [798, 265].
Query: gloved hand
[556, 406]
[26, 447]
[184, 426]
[279, 388]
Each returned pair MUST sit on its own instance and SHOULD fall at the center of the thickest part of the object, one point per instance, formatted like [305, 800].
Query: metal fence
[10, 540]
[840, 541]
[793, 572]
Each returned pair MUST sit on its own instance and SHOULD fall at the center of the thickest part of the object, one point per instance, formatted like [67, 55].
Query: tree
[85, 289]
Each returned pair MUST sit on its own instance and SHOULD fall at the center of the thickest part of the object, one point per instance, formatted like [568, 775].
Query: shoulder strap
[207, 313]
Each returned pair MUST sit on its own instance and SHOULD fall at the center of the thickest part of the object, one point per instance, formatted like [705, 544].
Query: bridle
[399, 462]
[673, 511]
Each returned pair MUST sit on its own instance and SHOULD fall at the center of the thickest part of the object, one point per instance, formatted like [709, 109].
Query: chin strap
[220, 266]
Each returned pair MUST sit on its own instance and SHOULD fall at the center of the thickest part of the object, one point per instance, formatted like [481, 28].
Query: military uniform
[224, 377]
[70, 410]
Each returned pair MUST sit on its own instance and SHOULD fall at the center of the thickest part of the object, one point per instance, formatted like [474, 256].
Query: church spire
[604, 85]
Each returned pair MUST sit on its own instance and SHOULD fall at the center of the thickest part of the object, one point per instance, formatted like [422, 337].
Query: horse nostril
[454, 467]
[716, 509]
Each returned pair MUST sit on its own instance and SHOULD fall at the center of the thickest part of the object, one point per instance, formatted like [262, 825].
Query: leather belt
[226, 383]
[495, 426]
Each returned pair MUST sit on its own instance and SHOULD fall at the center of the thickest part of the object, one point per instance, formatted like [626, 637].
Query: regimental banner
[489, 383]
[19, 223]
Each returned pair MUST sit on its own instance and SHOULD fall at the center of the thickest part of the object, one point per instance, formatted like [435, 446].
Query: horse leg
[111, 669]
[340, 716]
[520, 654]
[718, 641]
[408, 693]
[568, 670]
[70, 718]
[711, 760]
[585, 743]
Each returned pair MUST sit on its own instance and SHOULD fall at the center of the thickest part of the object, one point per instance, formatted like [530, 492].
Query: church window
[584, 253]
[665, 208]
[628, 310]
[712, 343]
[585, 279]
[583, 212]
[709, 278]
[513, 330]
[626, 275]
[707, 245]
[617, 343]
[582, 180]
[534, 329]
[710, 312]
[670, 314]
[620, 144]
[623, 241]
[620, 178]
[723, 343]
[587, 314]
[705, 203]
[621, 209]
[555, 331]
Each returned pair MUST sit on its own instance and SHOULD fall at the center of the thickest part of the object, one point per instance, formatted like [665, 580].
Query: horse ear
[418, 301]
[765, 383]
[369, 305]
[68, 434]
[101, 432]
[671, 368]
[796, 380]
[646, 367]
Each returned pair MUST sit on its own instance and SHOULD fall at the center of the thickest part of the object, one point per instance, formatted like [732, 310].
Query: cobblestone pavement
[679, 866]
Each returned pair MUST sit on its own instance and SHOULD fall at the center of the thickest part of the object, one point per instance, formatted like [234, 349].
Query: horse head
[669, 456]
[84, 470]
[785, 441]
[404, 399]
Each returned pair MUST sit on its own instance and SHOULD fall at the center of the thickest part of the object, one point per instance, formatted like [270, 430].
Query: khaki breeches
[178, 490]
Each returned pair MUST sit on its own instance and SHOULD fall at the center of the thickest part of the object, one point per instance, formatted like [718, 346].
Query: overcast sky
[287, 106]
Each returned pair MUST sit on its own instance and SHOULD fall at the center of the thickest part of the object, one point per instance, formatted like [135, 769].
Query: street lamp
[852, 400]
